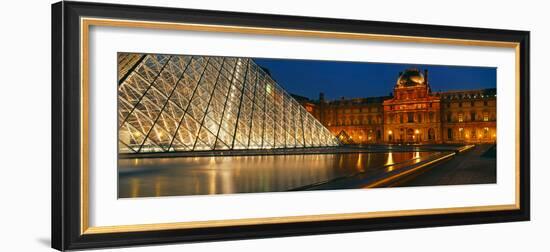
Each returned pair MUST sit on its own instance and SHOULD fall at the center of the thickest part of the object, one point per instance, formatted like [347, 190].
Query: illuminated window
[485, 116]
[460, 117]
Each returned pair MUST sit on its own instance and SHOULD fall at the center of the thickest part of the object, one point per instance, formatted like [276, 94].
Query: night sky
[362, 79]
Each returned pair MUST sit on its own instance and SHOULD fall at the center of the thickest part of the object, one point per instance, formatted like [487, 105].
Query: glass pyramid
[175, 103]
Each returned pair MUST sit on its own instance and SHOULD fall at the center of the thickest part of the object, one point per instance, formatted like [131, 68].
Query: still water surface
[150, 177]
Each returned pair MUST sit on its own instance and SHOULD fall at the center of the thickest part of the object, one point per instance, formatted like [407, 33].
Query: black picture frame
[66, 125]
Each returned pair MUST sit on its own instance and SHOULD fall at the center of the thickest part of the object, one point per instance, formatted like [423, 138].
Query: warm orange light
[390, 132]
[416, 131]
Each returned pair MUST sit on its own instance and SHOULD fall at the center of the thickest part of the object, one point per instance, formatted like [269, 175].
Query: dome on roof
[411, 77]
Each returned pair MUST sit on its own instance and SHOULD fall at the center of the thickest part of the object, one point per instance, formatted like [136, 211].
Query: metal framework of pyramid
[176, 103]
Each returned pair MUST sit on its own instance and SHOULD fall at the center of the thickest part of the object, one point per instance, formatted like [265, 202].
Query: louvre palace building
[411, 114]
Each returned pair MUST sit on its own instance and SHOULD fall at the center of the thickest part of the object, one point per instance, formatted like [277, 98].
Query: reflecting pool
[150, 177]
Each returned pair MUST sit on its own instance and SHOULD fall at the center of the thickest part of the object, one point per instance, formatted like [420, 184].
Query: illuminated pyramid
[170, 103]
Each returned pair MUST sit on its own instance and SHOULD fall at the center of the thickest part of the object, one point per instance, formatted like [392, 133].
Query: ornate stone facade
[413, 114]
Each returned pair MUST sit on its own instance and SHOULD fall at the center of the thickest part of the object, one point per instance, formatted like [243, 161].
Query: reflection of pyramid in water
[170, 103]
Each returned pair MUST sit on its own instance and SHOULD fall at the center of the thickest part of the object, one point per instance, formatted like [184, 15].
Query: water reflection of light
[157, 186]
[134, 184]
[389, 161]
[212, 181]
[416, 157]
[359, 163]
[369, 157]
[227, 182]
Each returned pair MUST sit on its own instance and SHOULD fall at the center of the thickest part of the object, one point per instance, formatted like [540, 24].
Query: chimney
[426, 76]
[321, 97]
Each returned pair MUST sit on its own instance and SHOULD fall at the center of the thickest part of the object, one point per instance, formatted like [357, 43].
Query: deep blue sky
[363, 79]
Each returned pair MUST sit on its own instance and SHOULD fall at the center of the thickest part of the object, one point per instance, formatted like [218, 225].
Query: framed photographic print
[180, 125]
